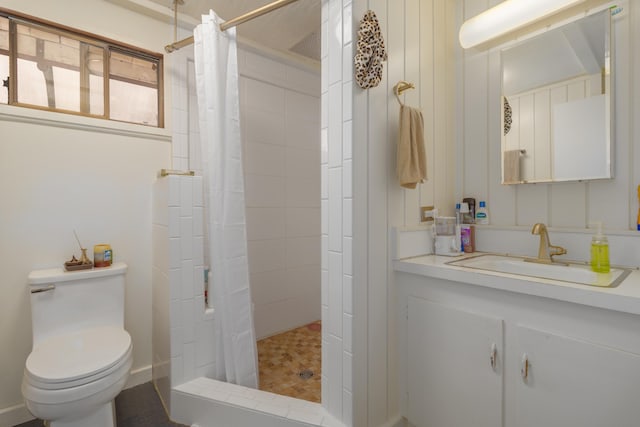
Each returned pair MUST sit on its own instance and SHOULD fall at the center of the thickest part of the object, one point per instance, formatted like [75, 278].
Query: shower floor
[286, 359]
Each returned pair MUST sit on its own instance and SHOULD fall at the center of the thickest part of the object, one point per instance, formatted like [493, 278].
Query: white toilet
[81, 354]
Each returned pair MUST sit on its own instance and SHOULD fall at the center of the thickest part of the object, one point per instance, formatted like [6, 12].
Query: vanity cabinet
[473, 356]
[453, 364]
[568, 382]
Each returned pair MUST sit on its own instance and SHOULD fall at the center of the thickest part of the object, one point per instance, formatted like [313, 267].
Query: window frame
[86, 39]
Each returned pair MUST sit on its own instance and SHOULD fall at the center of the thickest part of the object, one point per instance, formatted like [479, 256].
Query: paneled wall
[419, 36]
[564, 205]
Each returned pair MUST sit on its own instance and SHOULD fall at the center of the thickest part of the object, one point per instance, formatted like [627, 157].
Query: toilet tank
[68, 301]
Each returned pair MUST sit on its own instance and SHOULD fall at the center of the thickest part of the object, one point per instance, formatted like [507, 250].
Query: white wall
[560, 205]
[420, 39]
[59, 173]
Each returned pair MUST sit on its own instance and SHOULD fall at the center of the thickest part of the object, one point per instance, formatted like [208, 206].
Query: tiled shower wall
[337, 202]
[182, 325]
[280, 129]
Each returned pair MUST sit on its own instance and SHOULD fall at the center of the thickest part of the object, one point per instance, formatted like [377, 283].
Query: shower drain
[305, 374]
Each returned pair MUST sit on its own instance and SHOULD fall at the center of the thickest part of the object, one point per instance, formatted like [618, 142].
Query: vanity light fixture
[508, 16]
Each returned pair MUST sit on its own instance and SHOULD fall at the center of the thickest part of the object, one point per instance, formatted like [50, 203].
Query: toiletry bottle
[482, 214]
[465, 214]
[472, 208]
[599, 251]
[638, 222]
[459, 215]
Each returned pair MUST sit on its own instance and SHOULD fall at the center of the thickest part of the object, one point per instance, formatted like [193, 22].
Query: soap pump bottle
[599, 251]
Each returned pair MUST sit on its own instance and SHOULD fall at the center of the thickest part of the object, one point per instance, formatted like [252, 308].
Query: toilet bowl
[81, 360]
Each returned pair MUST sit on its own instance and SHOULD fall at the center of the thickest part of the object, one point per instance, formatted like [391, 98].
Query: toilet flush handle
[45, 289]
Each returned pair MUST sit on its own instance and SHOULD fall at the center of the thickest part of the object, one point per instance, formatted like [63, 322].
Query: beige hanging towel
[412, 159]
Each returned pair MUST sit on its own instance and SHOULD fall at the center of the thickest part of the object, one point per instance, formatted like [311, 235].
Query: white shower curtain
[216, 67]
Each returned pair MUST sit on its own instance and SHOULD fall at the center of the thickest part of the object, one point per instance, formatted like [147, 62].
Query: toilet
[81, 356]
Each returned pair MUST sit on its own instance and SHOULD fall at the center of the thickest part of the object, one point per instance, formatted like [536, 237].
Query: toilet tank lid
[58, 275]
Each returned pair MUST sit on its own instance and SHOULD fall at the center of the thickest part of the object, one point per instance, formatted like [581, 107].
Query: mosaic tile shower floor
[284, 356]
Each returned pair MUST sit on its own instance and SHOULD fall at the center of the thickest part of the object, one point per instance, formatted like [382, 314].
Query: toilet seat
[78, 358]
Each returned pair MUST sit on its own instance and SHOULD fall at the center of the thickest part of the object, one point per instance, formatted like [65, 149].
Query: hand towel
[511, 168]
[411, 159]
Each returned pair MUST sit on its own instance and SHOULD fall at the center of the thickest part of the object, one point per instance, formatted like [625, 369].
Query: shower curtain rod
[232, 22]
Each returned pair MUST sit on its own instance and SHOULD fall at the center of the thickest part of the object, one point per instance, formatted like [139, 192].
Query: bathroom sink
[573, 272]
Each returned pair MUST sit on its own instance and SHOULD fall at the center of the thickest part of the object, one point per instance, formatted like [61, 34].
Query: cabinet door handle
[524, 368]
[493, 358]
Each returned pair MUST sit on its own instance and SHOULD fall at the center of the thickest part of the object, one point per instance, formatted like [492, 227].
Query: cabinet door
[575, 383]
[454, 367]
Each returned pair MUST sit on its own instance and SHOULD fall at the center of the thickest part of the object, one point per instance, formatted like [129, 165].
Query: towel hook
[401, 87]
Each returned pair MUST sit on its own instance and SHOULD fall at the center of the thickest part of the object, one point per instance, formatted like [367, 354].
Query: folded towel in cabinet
[411, 165]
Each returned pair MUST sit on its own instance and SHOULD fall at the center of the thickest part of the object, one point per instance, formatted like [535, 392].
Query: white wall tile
[174, 190]
[347, 294]
[269, 286]
[264, 159]
[188, 321]
[265, 223]
[335, 294]
[347, 140]
[177, 376]
[198, 250]
[186, 272]
[347, 217]
[347, 179]
[264, 97]
[198, 221]
[335, 42]
[186, 196]
[264, 191]
[301, 162]
[347, 371]
[335, 125]
[347, 332]
[175, 283]
[186, 237]
[347, 264]
[266, 255]
[174, 253]
[176, 339]
[347, 97]
[302, 192]
[334, 363]
[174, 221]
[204, 343]
[262, 126]
[303, 222]
[335, 209]
[198, 189]
[302, 251]
[189, 361]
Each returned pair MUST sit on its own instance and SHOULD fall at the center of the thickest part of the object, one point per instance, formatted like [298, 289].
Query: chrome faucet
[546, 250]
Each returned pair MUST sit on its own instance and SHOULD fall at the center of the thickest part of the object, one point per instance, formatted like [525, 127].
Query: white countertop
[624, 298]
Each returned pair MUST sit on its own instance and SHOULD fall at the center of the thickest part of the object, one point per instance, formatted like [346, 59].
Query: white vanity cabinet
[453, 364]
[569, 382]
[475, 356]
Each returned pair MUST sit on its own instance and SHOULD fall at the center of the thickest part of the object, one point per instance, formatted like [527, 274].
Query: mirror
[556, 104]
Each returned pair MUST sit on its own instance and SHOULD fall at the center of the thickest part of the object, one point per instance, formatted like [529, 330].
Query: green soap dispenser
[599, 251]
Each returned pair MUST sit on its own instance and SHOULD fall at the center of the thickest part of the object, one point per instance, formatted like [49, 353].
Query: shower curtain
[216, 67]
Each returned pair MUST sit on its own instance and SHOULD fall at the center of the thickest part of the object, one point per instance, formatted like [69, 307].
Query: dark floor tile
[138, 406]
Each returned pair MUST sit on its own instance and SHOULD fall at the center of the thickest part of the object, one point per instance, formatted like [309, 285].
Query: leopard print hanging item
[371, 52]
